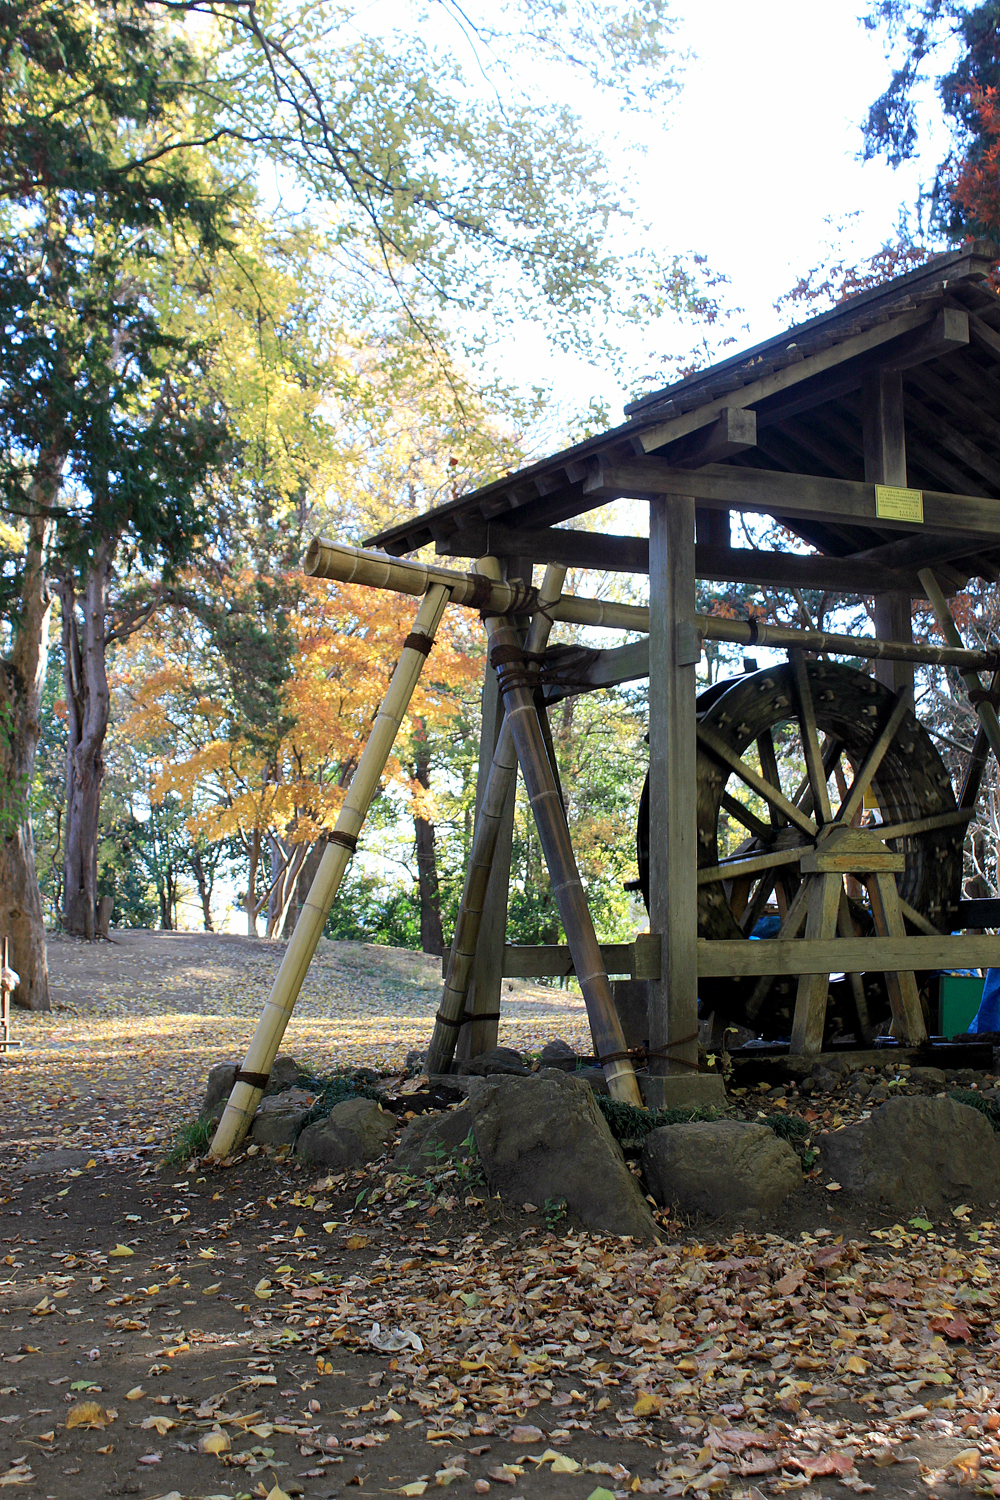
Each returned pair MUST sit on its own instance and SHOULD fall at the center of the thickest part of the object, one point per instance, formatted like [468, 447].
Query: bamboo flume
[377, 570]
[507, 656]
[253, 1075]
[503, 769]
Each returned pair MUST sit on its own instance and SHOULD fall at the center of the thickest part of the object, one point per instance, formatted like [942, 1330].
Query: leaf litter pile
[257, 1330]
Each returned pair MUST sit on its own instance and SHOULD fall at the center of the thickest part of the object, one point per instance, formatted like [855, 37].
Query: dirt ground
[189, 1331]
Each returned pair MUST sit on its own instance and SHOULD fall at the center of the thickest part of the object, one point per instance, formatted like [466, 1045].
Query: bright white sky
[759, 151]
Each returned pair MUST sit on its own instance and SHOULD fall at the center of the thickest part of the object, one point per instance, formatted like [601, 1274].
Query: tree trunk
[206, 880]
[22, 679]
[286, 862]
[306, 875]
[87, 708]
[431, 934]
[252, 904]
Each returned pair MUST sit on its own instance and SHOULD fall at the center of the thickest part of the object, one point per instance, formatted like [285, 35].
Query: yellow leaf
[856, 1364]
[135, 1394]
[299, 1234]
[547, 1457]
[120, 1250]
[162, 1425]
[277, 1493]
[206, 1254]
[647, 1406]
[563, 1464]
[210, 1291]
[87, 1414]
[359, 1242]
[214, 1442]
[262, 1289]
[416, 1488]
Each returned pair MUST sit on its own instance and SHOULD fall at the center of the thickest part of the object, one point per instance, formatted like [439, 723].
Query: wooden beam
[954, 442]
[733, 430]
[884, 430]
[776, 494]
[730, 960]
[638, 960]
[792, 375]
[577, 549]
[674, 650]
[938, 389]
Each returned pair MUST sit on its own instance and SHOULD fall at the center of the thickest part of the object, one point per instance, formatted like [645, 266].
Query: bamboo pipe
[946, 623]
[503, 770]
[507, 658]
[252, 1077]
[354, 565]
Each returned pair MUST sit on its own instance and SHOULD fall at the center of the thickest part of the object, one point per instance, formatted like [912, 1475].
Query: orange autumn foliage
[289, 783]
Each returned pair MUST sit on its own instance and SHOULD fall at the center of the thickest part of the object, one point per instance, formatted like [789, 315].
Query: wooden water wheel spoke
[833, 749]
[817, 771]
[769, 767]
[714, 742]
[791, 926]
[750, 864]
[750, 821]
[759, 900]
[874, 758]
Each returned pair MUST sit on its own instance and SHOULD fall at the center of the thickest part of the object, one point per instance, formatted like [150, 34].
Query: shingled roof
[940, 324]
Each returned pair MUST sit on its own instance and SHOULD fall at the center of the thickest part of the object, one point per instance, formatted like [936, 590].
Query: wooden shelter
[873, 433]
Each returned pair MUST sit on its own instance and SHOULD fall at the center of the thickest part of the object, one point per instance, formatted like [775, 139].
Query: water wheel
[790, 758]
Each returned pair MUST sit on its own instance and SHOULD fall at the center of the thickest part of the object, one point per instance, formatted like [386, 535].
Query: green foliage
[333, 1088]
[368, 910]
[630, 1125]
[555, 1210]
[975, 1100]
[193, 1139]
[789, 1127]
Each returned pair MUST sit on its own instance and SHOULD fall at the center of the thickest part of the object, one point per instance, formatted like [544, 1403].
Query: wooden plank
[577, 549]
[751, 864]
[940, 390]
[792, 375]
[638, 960]
[904, 1001]
[605, 669]
[956, 443]
[726, 960]
[673, 853]
[777, 494]
[809, 1019]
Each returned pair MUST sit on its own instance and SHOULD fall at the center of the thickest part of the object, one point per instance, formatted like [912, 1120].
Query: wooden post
[885, 463]
[908, 1025]
[674, 649]
[487, 969]
[811, 996]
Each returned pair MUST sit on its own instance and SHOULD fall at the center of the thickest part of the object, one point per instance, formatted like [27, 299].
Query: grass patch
[334, 1088]
[193, 1139]
[630, 1125]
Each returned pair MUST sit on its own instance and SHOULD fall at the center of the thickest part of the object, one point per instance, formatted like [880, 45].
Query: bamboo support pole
[503, 770]
[354, 565]
[252, 1078]
[985, 709]
[507, 657]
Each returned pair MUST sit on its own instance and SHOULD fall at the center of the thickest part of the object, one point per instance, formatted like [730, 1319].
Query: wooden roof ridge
[550, 490]
[837, 323]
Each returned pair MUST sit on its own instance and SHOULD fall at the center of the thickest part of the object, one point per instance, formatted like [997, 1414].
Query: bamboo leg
[252, 1077]
[810, 999]
[502, 773]
[908, 1024]
[553, 833]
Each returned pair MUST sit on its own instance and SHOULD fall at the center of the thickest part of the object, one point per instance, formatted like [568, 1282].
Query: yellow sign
[894, 504]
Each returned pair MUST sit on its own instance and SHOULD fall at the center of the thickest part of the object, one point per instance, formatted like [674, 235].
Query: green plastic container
[959, 998]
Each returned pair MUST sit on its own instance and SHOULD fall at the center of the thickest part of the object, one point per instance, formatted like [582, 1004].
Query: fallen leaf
[214, 1442]
[135, 1394]
[121, 1250]
[357, 1242]
[417, 1487]
[789, 1283]
[526, 1435]
[647, 1405]
[88, 1414]
[161, 1425]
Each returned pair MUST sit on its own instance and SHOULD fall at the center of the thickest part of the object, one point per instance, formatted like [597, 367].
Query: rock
[932, 1078]
[56, 1161]
[917, 1153]
[558, 1054]
[596, 1079]
[498, 1060]
[719, 1167]
[545, 1138]
[415, 1064]
[284, 1072]
[859, 1088]
[221, 1077]
[824, 1080]
[879, 1094]
[840, 1065]
[430, 1138]
[279, 1118]
[355, 1131]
